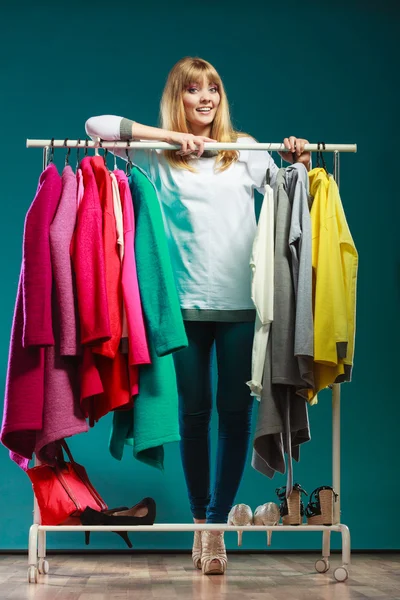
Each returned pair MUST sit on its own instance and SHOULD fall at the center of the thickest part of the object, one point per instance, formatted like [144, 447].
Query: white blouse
[209, 219]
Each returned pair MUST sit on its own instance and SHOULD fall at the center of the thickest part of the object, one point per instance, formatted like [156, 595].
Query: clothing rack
[37, 562]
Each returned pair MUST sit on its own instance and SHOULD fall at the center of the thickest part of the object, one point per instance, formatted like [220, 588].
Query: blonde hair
[172, 110]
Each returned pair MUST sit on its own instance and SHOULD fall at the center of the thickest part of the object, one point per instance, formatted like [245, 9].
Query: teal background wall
[312, 69]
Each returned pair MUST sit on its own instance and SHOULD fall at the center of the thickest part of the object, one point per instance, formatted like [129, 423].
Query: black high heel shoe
[146, 507]
[109, 511]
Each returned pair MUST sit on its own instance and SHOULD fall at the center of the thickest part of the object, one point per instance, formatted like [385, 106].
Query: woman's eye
[214, 89]
[192, 90]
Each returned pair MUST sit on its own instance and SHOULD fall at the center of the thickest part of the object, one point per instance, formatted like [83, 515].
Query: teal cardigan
[153, 421]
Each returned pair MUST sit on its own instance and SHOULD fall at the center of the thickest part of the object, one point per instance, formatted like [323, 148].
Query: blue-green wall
[313, 69]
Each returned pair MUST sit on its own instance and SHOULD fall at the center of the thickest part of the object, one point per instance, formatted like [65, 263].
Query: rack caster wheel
[341, 574]
[322, 565]
[43, 566]
[33, 575]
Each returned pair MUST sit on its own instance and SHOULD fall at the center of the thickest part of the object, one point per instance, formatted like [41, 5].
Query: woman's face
[201, 101]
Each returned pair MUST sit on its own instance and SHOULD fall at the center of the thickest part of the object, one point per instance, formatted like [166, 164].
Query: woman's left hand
[296, 145]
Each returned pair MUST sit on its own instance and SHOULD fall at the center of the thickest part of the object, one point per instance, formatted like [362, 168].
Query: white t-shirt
[209, 219]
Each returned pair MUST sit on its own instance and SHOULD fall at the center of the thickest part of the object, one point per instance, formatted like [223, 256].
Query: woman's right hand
[189, 143]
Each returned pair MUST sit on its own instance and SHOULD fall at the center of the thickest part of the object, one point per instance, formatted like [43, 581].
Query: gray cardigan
[282, 423]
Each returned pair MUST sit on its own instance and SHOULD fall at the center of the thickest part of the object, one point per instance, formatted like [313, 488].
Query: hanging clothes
[105, 384]
[62, 415]
[136, 333]
[88, 263]
[61, 233]
[282, 422]
[81, 189]
[112, 260]
[300, 242]
[335, 265]
[32, 327]
[119, 225]
[262, 289]
[154, 418]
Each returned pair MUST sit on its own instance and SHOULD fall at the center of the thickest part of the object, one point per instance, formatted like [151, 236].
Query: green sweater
[153, 421]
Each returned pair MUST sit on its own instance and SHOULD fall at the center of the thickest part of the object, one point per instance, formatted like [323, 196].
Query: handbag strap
[64, 446]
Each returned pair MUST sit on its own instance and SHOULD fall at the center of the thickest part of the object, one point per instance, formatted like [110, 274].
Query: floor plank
[172, 577]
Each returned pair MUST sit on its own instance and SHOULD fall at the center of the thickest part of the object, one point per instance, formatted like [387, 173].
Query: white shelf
[190, 527]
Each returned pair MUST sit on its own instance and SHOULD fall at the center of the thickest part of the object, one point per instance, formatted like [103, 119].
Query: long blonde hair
[172, 110]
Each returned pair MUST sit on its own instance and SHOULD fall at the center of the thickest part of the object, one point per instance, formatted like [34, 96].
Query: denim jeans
[234, 405]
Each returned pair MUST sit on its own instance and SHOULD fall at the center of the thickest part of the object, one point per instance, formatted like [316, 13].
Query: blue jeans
[234, 404]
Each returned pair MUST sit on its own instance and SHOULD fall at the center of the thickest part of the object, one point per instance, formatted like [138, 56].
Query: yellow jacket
[335, 263]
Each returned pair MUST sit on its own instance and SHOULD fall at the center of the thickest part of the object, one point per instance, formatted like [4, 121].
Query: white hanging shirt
[262, 289]
[209, 219]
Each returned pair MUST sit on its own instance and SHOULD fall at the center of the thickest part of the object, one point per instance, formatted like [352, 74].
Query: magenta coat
[138, 346]
[32, 328]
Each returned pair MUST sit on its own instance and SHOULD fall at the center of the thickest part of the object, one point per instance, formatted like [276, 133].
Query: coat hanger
[51, 157]
[321, 157]
[268, 174]
[129, 164]
[77, 154]
[68, 152]
[105, 152]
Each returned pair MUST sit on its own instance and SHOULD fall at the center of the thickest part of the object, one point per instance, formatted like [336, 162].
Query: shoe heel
[240, 515]
[87, 538]
[125, 537]
[319, 510]
[267, 514]
[291, 508]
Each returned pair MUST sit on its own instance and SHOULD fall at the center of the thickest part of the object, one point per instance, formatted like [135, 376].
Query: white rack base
[37, 563]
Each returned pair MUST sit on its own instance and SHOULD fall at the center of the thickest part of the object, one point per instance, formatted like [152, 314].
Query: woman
[208, 209]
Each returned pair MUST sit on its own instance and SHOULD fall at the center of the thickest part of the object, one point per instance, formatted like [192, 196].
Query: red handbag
[63, 490]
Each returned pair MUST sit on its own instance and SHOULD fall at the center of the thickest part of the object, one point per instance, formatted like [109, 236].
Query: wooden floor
[170, 577]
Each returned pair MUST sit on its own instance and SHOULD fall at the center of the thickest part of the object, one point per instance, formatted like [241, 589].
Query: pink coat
[62, 415]
[61, 232]
[138, 346]
[32, 326]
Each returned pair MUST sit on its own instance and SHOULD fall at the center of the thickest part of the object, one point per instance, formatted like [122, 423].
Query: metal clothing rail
[37, 562]
[165, 146]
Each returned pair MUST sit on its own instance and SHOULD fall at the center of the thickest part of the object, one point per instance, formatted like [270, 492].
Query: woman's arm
[113, 128]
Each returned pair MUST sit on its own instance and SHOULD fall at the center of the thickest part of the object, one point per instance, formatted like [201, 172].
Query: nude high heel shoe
[213, 554]
[196, 550]
[267, 514]
[240, 515]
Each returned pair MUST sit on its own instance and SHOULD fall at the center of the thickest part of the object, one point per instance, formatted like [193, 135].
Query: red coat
[105, 385]
[88, 261]
[111, 258]
[105, 380]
